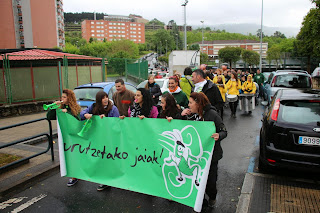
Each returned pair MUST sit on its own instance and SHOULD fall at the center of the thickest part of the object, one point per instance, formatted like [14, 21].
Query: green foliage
[203, 58]
[259, 33]
[70, 48]
[278, 34]
[79, 17]
[250, 57]
[194, 47]
[230, 54]
[123, 45]
[274, 54]
[164, 59]
[317, 2]
[162, 39]
[117, 65]
[155, 22]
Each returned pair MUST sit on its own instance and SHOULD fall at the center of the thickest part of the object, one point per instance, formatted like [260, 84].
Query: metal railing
[49, 137]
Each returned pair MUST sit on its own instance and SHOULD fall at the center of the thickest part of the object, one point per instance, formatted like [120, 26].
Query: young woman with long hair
[103, 108]
[200, 109]
[68, 104]
[233, 86]
[154, 89]
[143, 105]
[169, 109]
[178, 94]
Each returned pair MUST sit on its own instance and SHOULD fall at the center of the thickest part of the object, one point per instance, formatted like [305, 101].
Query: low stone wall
[23, 108]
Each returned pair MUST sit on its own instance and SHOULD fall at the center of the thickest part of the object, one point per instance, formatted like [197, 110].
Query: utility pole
[261, 32]
[185, 23]
[202, 32]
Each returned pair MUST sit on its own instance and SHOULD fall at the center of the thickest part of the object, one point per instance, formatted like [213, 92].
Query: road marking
[9, 202]
[251, 165]
[29, 203]
[257, 140]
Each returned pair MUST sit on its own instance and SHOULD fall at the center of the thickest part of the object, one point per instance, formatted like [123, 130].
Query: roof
[37, 54]
[246, 41]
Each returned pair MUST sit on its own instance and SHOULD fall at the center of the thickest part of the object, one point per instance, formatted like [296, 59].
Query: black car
[290, 132]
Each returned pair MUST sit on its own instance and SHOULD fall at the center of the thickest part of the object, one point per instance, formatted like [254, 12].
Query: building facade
[167, 27]
[114, 29]
[31, 23]
[211, 48]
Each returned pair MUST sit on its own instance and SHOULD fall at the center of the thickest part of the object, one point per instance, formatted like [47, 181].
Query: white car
[162, 82]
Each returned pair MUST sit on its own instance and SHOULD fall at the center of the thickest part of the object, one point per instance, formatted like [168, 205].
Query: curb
[246, 193]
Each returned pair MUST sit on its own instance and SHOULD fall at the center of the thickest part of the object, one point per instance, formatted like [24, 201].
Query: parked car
[286, 79]
[86, 93]
[290, 132]
[316, 72]
[163, 83]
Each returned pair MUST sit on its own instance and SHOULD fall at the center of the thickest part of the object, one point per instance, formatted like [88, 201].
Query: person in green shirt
[259, 79]
[178, 94]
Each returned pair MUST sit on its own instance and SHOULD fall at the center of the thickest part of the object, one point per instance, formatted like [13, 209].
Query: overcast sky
[277, 13]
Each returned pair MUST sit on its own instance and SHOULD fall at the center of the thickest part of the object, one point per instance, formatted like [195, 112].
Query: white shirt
[198, 86]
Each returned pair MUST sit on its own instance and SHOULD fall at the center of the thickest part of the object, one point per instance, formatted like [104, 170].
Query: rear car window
[300, 112]
[86, 94]
[292, 81]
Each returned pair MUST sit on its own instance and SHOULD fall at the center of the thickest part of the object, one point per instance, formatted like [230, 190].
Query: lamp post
[261, 32]
[202, 31]
[166, 48]
[177, 41]
[185, 24]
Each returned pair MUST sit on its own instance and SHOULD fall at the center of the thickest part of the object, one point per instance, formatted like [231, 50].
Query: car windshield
[266, 75]
[300, 112]
[292, 81]
[143, 83]
[86, 94]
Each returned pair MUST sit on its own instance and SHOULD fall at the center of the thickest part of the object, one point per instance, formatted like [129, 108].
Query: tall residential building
[211, 48]
[113, 29]
[31, 23]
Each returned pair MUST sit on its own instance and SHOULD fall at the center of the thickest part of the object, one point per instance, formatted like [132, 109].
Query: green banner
[151, 156]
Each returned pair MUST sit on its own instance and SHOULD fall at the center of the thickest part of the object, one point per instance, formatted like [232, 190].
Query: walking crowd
[197, 95]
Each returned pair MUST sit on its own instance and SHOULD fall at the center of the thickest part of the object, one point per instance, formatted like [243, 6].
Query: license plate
[309, 140]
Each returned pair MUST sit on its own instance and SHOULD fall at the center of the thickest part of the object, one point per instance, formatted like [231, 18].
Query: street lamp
[202, 31]
[166, 48]
[261, 38]
[185, 24]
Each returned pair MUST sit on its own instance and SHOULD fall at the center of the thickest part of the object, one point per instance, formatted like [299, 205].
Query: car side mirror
[264, 103]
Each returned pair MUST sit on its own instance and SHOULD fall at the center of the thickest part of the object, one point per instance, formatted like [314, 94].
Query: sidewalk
[18, 177]
[270, 193]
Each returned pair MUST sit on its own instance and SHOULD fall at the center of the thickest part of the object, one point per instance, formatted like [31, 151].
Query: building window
[92, 22]
[123, 36]
[139, 28]
[92, 31]
[139, 32]
[92, 26]
[122, 24]
[92, 34]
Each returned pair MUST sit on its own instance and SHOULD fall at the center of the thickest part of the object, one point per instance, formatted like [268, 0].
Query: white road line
[9, 202]
[29, 203]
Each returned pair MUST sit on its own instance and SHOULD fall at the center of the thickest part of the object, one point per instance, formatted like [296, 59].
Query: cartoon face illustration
[185, 162]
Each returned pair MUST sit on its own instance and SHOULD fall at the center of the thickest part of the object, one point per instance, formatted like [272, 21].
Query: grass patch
[6, 159]
[113, 75]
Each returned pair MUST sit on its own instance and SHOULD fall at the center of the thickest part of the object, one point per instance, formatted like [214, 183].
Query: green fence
[25, 79]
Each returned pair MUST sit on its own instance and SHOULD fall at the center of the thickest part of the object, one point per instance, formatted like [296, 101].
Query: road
[52, 195]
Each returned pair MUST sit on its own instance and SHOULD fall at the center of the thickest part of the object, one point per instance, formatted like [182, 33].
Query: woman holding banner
[143, 106]
[103, 108]
[200, 109]
[68, 104]
[169, 108]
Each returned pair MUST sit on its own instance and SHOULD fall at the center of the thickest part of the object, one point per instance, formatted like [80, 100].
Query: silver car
[281, 79]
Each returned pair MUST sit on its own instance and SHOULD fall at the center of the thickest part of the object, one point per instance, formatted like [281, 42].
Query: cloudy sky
[277, 13]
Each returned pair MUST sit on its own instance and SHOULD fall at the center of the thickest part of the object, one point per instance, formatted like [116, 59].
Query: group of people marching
[189, 97]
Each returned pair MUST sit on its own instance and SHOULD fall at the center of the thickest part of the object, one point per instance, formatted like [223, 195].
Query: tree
[164, 59]
[162, 39]
[274, 54]
[278, 34]
[155, 22]
[230, 54]
[250, 57]
[259, 33]
[203, 58]
[308, 39]
[70, 48]
[118, 62]
[194, 47]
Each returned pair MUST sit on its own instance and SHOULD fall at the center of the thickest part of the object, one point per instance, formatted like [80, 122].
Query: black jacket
[213, 94]
[210, 114]
[155, 91]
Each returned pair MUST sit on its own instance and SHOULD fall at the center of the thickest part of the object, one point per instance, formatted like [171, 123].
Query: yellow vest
[233, 88]
[249, 87]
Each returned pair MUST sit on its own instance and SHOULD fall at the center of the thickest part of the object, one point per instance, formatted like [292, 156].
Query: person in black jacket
[209, 89]
[154, 89]
[200, 109]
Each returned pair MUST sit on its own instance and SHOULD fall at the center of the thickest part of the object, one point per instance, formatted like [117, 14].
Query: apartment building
[212, 47]
[114, 29]
[31, 23]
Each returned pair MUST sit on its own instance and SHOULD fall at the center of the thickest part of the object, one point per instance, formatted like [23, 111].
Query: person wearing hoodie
[233, 86]
[154, 89]
[178, 94]
[249, 86]
[186, 82]
[200, 109]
